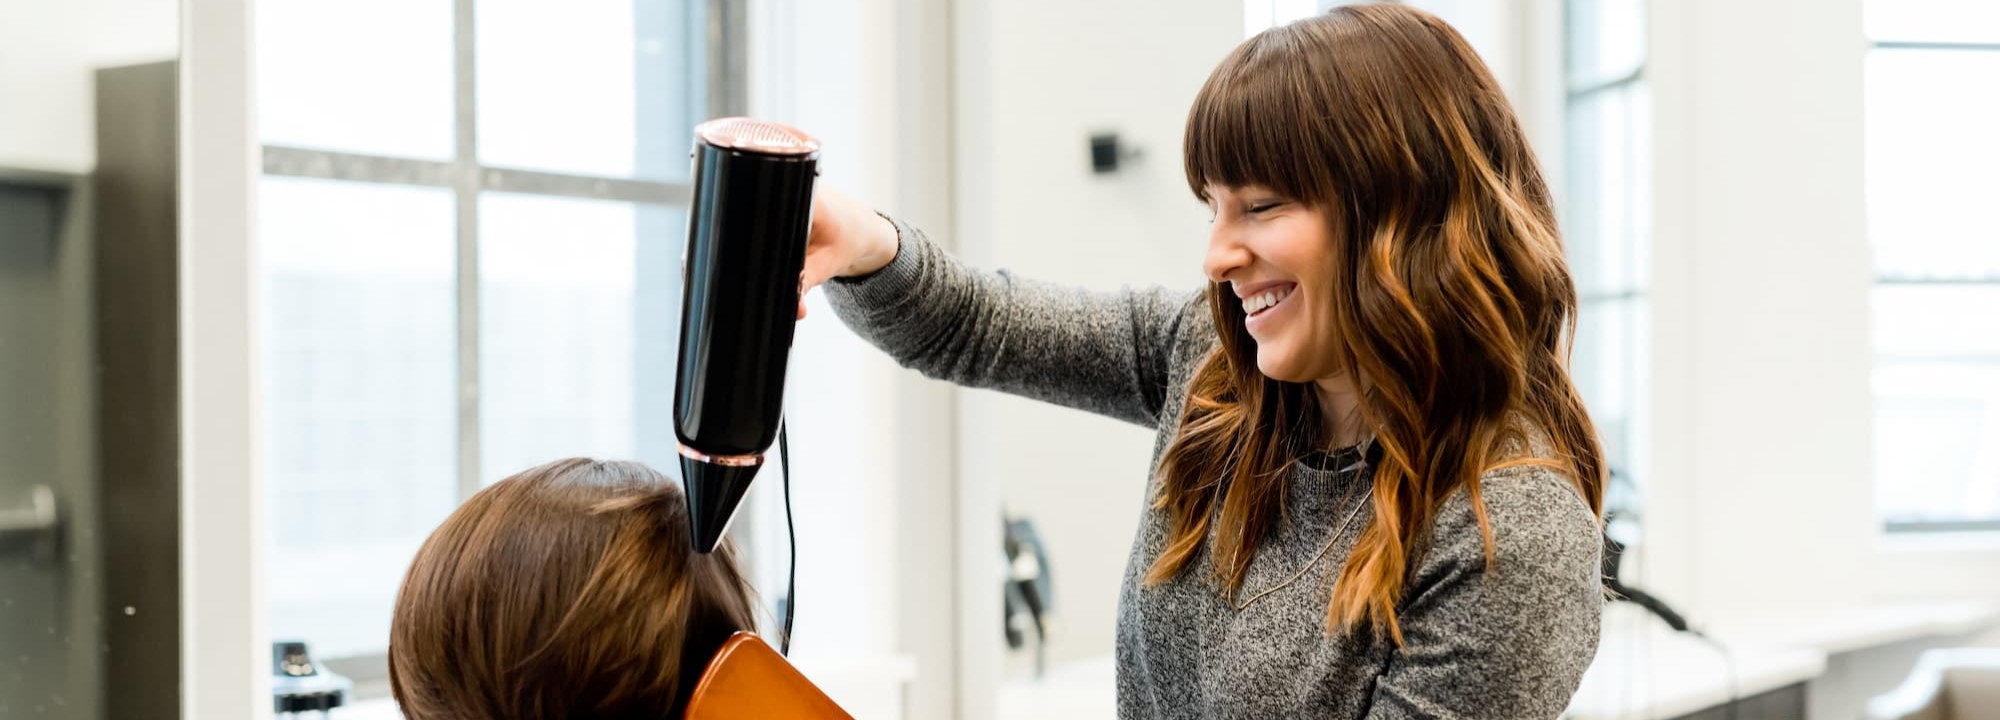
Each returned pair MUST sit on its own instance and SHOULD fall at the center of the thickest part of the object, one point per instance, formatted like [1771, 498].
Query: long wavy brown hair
[1454, 304]
[568, 590]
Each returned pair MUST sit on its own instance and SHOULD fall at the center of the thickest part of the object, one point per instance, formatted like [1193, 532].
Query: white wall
[45, 89]
[47, 53]
[1036, 79]
[1761, 498]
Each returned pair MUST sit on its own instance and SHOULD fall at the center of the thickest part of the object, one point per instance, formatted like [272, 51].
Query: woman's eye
[1261, 208]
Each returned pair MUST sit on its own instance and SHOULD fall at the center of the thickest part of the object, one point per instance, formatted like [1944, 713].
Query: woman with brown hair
[1376, 491]
[568, 590]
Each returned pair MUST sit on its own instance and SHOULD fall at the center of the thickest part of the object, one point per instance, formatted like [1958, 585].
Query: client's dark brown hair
[569, 590]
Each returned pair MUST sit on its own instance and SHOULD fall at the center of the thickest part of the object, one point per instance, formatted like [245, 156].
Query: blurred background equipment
[90, 488]
[299, 685]
[1621, 519]
[1108, 150]
[1955, 684]
[1029, 589]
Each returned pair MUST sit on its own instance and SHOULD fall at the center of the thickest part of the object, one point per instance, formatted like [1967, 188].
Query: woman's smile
[1265, 303]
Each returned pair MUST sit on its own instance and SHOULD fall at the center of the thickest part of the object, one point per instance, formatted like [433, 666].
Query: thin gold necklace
[1330, 540]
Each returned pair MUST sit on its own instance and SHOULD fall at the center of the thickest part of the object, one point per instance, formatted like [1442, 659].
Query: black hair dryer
[746, 245]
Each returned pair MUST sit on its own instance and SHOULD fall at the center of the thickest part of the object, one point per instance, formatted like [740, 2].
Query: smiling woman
[1425, 242]
[1375, 489]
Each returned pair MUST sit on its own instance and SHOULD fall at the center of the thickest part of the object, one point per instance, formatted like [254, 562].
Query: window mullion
[465, 186]
[1942, 281]
[1926, 45]
[1588, 89]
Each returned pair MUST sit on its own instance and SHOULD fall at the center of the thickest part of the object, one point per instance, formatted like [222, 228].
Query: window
[471, 224]
[1931, 135]
[1605, 205]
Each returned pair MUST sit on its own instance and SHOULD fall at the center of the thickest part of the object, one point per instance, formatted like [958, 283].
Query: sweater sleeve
[1511, 641]
[1104, 352]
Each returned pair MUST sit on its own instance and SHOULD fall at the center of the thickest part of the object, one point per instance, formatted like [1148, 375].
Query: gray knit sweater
[1511, 641]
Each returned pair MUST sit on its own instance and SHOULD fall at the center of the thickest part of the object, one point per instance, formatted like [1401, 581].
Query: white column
[1761, 281]
[225, 651]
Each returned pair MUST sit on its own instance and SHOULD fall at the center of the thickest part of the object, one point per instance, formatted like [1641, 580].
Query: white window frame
[1913, 527]
[468, 178]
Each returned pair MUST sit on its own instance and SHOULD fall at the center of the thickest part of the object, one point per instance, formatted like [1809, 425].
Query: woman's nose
[1226, 253]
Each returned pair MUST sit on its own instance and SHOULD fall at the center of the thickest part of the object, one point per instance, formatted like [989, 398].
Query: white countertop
[1645, 670]
[1078, 690]
[1845, 629]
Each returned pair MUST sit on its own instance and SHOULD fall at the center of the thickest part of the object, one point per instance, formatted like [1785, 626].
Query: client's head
[568, 590]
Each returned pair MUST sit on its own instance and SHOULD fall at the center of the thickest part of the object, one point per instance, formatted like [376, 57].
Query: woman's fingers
[833, 241]
[815, 274]
[821, 265]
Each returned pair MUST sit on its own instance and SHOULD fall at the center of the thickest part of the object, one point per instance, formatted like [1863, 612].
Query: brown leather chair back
[747, 679]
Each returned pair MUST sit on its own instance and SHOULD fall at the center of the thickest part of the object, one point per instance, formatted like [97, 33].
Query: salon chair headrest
[747, 679]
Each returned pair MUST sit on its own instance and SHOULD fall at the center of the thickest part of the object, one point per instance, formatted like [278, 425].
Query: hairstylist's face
[1275, 254]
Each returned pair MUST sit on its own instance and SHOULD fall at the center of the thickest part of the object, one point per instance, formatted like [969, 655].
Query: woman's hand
[847, 240]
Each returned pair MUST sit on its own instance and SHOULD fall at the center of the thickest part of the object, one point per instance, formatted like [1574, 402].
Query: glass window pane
[1937, 440]
[1605, 365]
[1937, 402]
[1958, 322]
[579, 319]
[1933, 20]
[594, 87]
[1608, 365]
[366, 76]
[360, 404]
[1605, 207]
[1607, 39]
[1931, 149]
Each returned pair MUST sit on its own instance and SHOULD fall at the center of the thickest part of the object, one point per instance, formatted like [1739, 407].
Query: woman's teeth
[1259, 302]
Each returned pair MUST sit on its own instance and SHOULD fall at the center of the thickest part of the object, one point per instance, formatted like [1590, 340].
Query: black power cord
[792, 537]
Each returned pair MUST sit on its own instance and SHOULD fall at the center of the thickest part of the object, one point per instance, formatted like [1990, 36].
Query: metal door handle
[38, 516]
